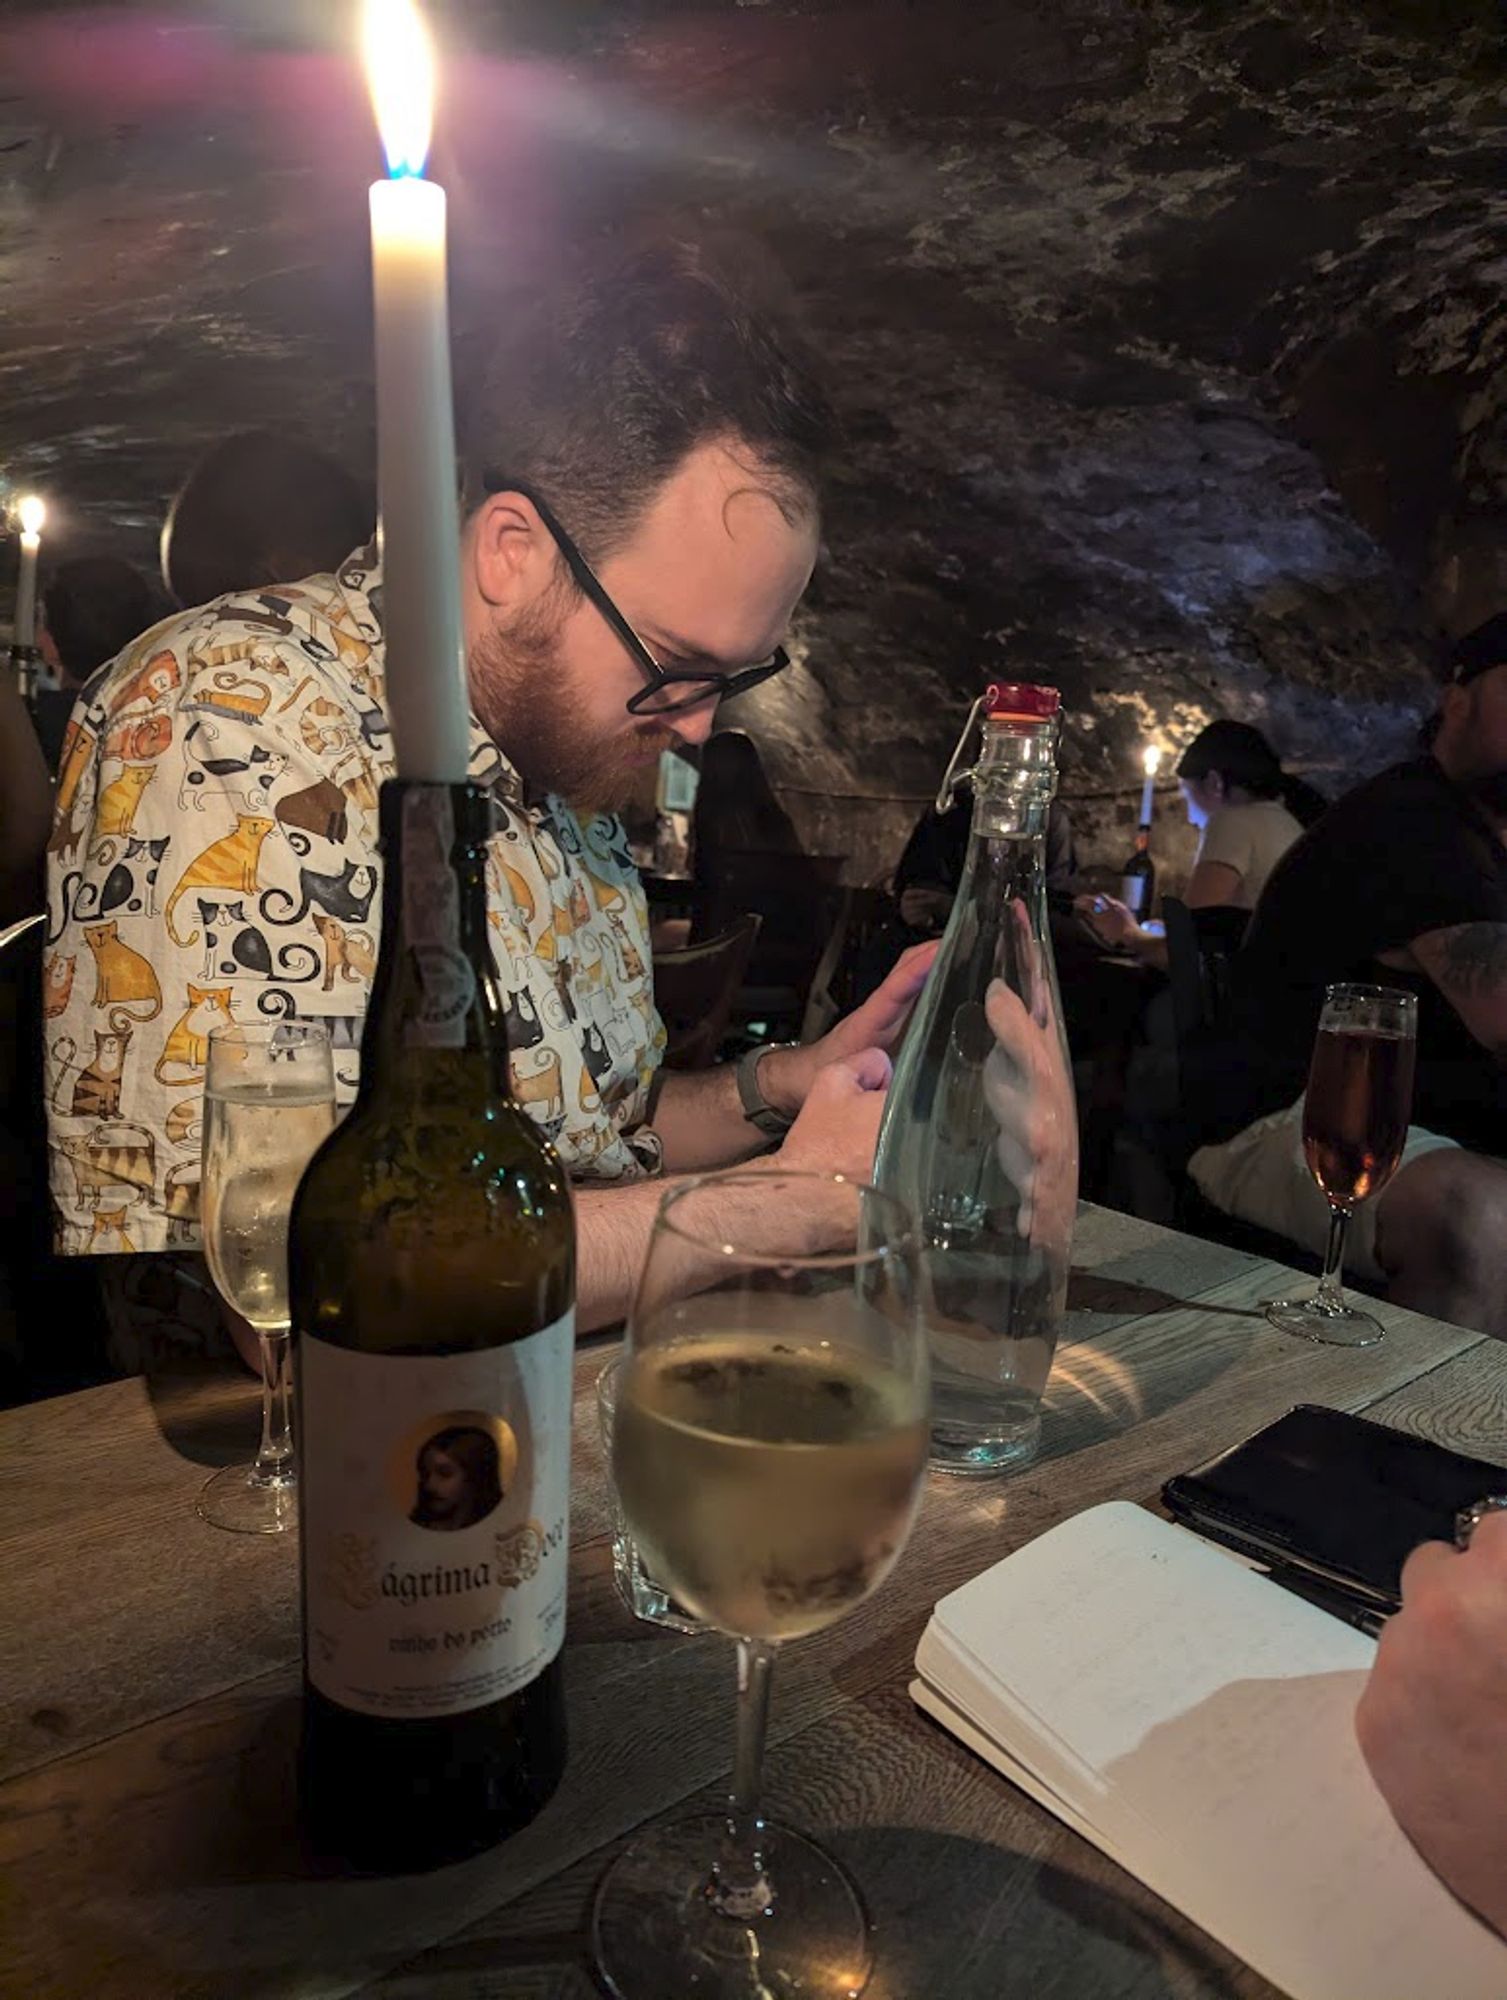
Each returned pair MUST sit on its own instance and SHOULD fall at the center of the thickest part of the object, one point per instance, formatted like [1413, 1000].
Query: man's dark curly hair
[596, 396]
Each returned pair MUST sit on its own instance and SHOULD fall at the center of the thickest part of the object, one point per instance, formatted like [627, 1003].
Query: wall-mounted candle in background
[1149, 763]
[31, 512]
[426, 669]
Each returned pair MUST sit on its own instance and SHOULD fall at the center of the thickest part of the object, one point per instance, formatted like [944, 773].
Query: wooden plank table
[149, 1669]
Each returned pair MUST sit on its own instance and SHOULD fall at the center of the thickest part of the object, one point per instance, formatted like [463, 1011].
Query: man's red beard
[527, 707]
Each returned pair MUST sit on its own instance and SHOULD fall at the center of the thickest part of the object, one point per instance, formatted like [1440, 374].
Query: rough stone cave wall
[1168, 336]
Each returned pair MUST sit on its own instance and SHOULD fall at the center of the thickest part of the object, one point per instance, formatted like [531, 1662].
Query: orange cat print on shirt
[116, 810]
[230, 863]
[148, 689]
[122, 977]
[185, 1053]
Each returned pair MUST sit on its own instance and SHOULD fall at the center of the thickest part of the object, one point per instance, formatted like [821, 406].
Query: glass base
[238, 1499]
[1334, 1326]
[642, 1595]
[980, 1452]
[655, 1932]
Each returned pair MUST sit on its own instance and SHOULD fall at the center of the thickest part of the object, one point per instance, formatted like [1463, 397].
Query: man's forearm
[614, 1224]
[699, 1115]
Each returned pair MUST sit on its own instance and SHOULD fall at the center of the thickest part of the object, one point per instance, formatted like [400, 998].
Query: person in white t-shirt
[1249, 811]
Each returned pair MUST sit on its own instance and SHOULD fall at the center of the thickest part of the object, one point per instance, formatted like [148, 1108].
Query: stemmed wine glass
[769, 1444]
[269, 1099]
[1355, 1125]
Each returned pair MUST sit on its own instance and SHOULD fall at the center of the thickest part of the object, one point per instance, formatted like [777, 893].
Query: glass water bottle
[980, 1136]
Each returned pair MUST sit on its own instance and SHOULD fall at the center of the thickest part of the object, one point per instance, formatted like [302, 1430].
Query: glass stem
[1331, 1294]
[274, 1458]
[739, 1887]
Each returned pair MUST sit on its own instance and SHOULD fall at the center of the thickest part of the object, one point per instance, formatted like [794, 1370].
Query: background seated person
[1402, 883]
[1249, 812]
[929, 871]
[736, 807]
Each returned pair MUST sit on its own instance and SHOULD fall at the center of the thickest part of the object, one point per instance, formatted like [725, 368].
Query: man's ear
[512, 552]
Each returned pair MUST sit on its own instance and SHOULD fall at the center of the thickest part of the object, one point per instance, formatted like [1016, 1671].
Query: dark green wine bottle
[432, 1283]
[1138, 878]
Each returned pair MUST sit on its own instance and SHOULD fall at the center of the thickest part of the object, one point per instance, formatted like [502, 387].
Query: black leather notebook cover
[1333, 1497]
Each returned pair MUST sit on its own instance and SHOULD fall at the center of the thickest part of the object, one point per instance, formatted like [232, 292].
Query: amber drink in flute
[1355, 1125]
[769, 1441]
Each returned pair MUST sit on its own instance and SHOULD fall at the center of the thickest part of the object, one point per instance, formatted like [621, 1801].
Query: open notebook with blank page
[1195, 1721]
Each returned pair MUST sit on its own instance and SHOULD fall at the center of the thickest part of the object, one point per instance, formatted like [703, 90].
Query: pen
[1325, 1597]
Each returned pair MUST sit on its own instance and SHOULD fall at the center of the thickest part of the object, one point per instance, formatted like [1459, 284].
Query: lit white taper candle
[31, 512]
[426, 673]
[1149, 762]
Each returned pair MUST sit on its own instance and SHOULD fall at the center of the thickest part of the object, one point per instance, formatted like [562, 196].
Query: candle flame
[31, 512]
[400, 72]
[1151, 760]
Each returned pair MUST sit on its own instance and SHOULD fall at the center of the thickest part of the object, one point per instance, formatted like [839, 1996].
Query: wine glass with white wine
[269, 1101]
[769, 1443]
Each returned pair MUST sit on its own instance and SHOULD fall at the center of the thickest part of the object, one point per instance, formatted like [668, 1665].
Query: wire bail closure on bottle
[953, 776]
[1015, 706]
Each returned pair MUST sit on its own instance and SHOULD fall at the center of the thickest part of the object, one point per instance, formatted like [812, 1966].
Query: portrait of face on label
[458, 1478]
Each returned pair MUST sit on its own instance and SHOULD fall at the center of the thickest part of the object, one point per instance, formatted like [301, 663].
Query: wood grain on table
[148, 1845]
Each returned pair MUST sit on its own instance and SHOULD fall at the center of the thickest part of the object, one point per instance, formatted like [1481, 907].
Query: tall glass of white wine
[269, 1100]
[769, 1444]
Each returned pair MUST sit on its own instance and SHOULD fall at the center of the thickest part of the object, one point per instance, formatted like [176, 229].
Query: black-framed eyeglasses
[668, 690]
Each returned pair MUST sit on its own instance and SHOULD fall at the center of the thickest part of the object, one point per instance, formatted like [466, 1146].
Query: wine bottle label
[435, 1498]
[431, 922]
[1133, 893]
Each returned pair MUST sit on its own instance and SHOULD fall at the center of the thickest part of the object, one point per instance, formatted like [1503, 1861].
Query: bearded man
[641, 521]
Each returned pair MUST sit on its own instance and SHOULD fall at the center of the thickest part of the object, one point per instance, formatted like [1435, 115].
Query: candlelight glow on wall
[417, 488]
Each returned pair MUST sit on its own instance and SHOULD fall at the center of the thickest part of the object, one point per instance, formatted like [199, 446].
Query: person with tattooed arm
[1402, 883]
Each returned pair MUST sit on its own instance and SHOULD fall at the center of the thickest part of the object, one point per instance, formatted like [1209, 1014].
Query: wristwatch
[756, 1107]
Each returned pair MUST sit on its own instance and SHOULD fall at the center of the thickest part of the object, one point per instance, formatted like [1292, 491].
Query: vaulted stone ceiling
[1169, 337]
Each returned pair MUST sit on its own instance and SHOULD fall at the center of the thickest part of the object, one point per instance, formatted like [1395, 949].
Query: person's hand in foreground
[1432, 1722]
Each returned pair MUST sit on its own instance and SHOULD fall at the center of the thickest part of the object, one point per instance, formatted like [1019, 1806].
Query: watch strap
[756, 1107]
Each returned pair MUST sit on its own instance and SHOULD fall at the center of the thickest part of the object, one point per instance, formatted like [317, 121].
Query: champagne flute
[1355, 1125]
[769, 1445]
[269, 1100]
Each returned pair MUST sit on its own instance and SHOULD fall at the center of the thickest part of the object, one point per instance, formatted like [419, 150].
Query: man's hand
[838, 1125]
[786, 1076]
[1432, 1721]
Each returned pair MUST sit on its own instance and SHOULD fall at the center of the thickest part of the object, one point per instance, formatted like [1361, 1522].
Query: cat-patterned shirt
[214, 859]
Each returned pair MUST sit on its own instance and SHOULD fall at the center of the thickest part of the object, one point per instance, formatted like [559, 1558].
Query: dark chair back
[694, 990]
[824, 998]
[1201, 947]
